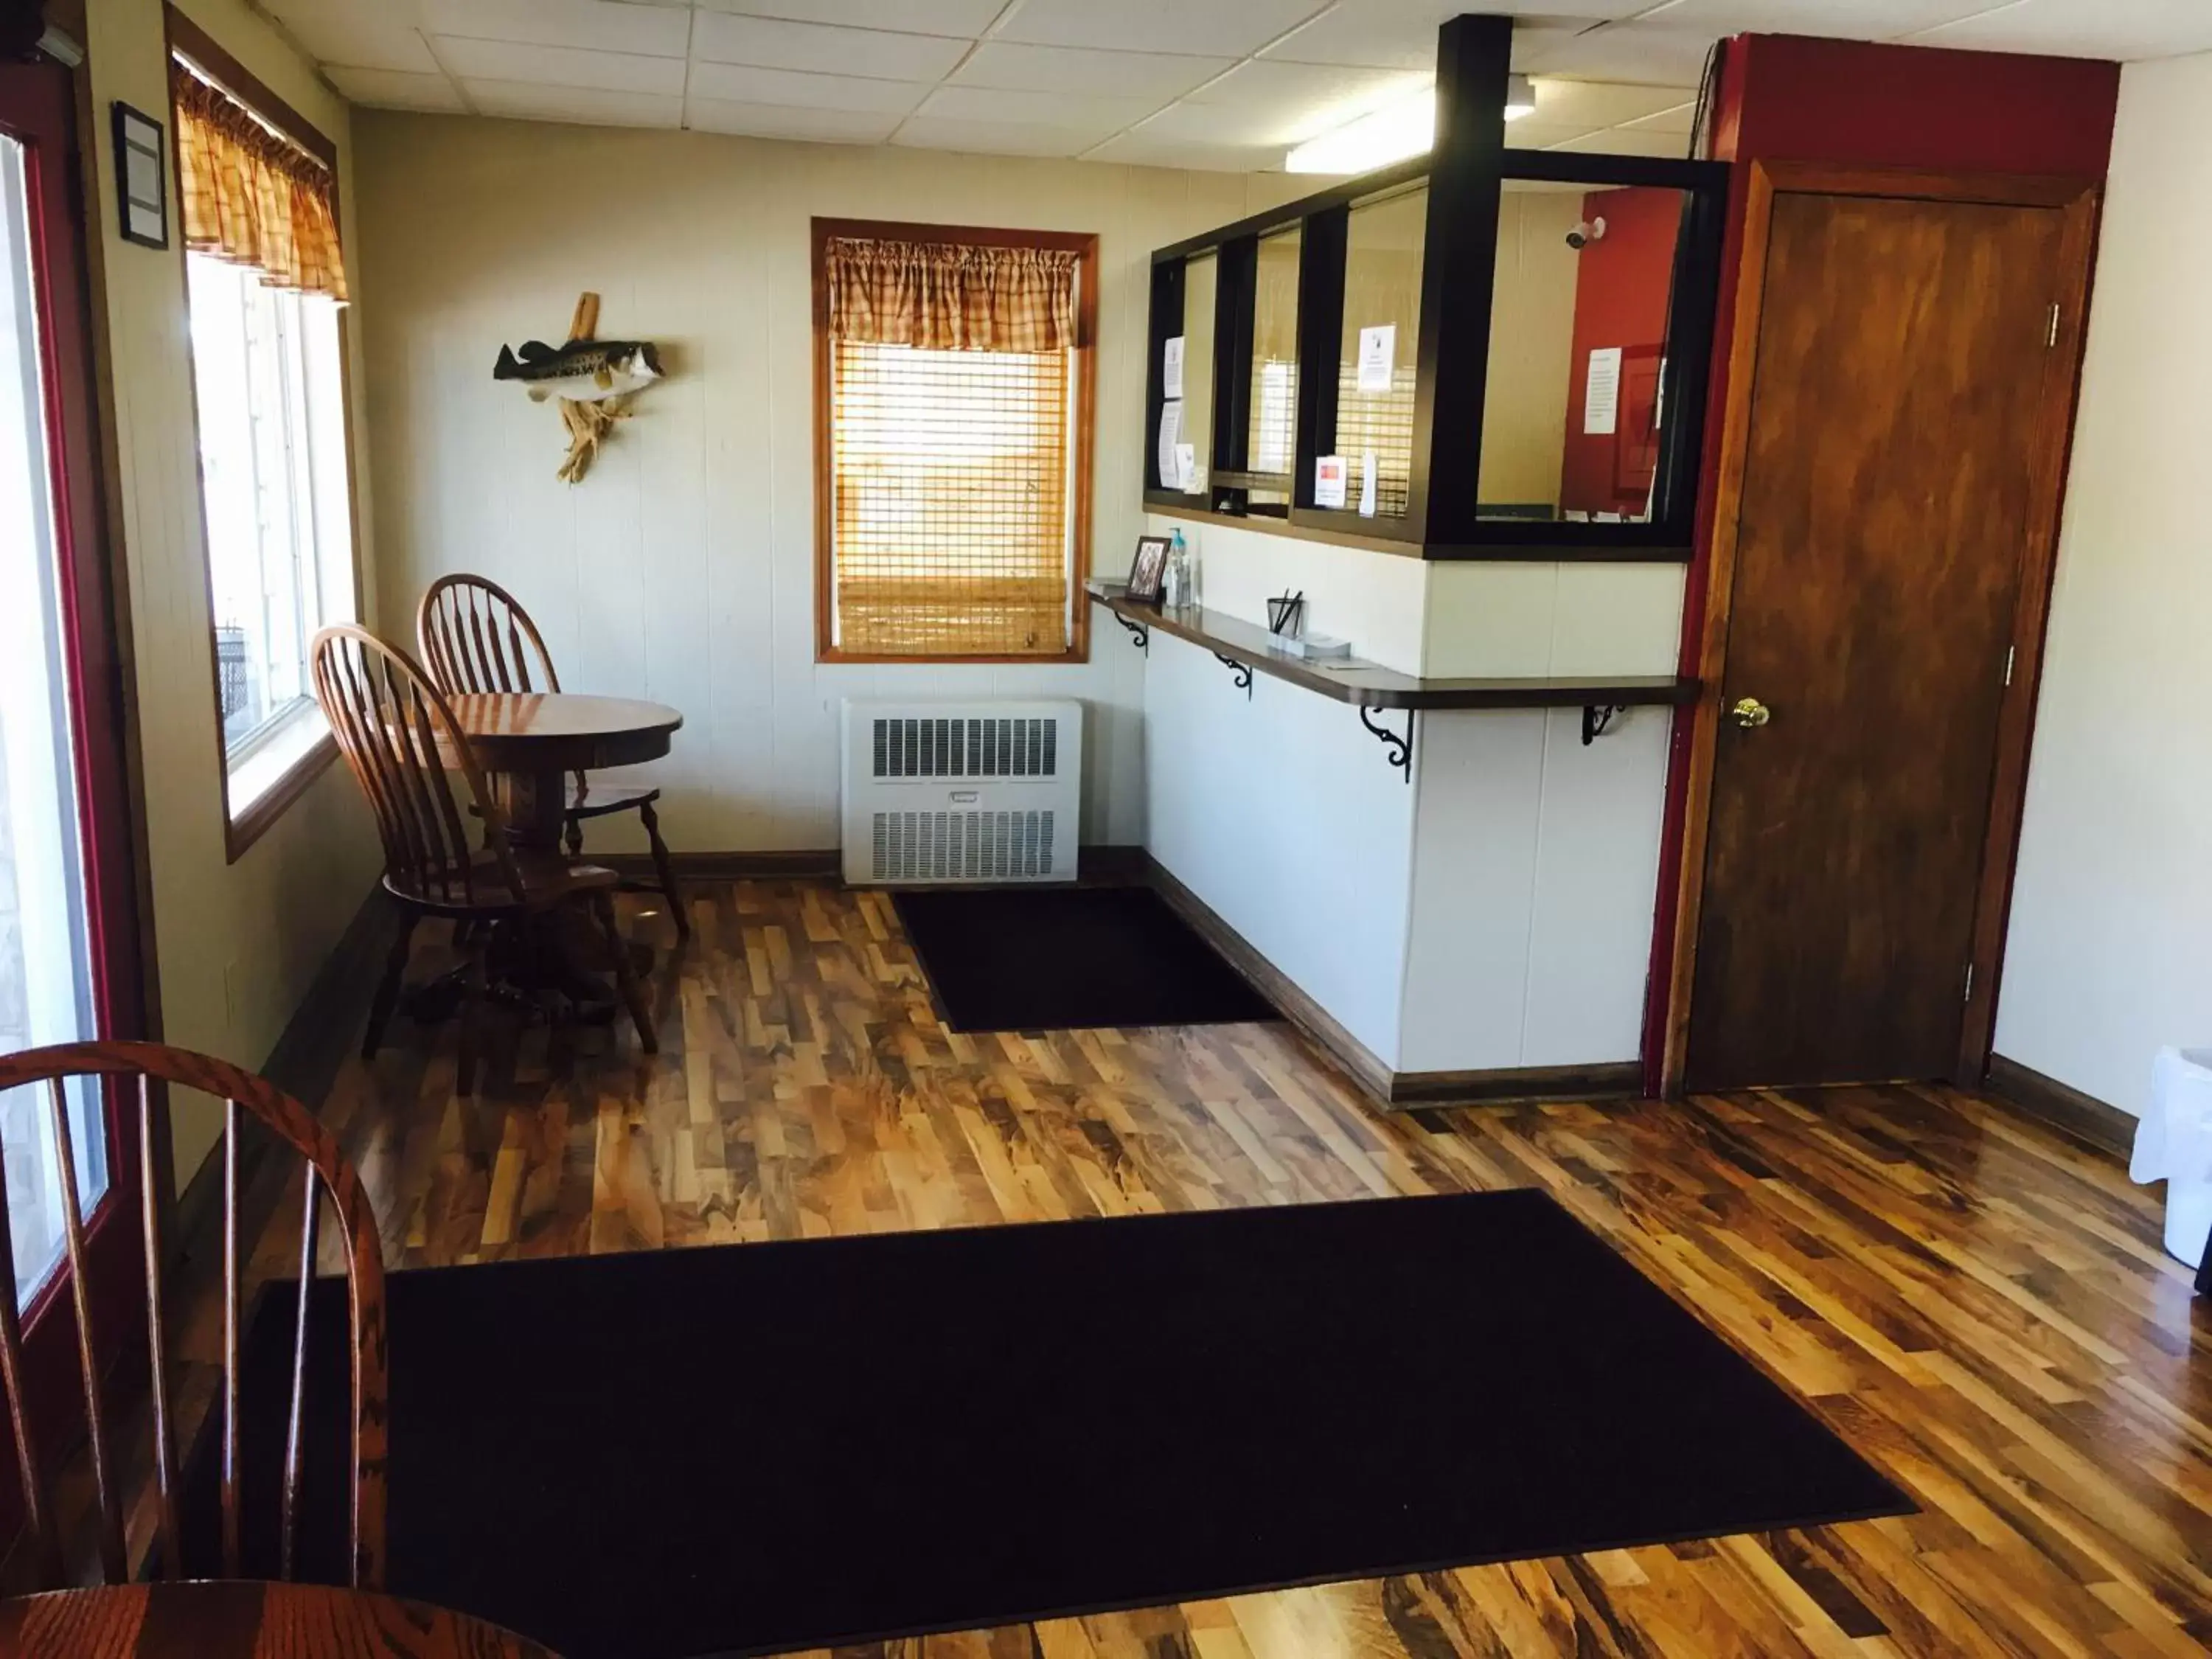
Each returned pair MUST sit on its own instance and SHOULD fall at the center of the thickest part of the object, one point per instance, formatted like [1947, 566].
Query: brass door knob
[1750, 713]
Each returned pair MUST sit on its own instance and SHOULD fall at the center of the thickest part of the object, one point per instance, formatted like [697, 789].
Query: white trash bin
[2173, 1143]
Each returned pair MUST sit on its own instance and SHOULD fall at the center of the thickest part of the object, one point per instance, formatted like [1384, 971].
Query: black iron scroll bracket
[1139, 635]
[1597, 720]
[1399, 748]
[1241, 670]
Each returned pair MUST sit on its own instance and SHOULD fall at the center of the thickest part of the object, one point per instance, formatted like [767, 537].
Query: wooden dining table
[236, 1619]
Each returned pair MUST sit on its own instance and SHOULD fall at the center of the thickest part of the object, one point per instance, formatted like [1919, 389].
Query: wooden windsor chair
[401, 739]
[327, 1171]
[476, 637]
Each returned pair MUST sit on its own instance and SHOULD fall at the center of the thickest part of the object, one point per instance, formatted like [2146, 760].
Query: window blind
[950, 473]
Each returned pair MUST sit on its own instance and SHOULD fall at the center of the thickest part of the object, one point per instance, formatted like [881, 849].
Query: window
[265, 287]
[953, 441]
[1272, 445]
[1382, 245]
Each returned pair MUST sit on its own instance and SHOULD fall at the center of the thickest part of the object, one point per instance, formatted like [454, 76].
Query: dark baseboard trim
[1611, 1080]
[2060, 1106]
[304, 1063]
[1391, 1091]
[1112, 864]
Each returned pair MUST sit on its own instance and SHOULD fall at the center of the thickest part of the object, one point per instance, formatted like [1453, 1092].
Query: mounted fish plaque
[594, 379]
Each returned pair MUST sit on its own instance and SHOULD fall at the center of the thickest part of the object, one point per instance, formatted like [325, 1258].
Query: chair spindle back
[400, 738]
[476, 637]
[327, 1173]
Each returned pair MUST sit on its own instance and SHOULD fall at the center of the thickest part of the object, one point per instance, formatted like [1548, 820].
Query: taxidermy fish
[583, 371]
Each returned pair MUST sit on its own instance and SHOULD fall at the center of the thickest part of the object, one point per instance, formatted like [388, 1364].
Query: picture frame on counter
[1148, 569]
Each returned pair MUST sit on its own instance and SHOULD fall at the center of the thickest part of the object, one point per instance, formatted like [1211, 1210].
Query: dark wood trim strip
[1614, 1080]
[1369, 685]
[1578, 543]
[794, 865]
[2060, 1106]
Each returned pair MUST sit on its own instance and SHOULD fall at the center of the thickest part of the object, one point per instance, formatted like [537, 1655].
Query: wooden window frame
[1084, 245]
[185, 38]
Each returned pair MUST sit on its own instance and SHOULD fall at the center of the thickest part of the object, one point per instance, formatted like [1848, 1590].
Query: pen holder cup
[1286, 616]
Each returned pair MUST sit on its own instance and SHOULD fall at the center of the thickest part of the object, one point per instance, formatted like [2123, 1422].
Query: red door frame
[39, 109]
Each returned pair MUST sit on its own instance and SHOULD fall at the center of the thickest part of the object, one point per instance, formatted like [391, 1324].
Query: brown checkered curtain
[252, 198]
[944, 297]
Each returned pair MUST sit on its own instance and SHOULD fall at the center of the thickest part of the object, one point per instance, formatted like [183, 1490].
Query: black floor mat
[1062, 959]
[755, 1447]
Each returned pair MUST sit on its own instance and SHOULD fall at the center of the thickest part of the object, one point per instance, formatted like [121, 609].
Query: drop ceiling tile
[560, 66]
[1541, 135]
[658, 31]
[1678, 120]
[1620, 141]
[1402, 34]
[813, 126]
[593, 106]
[1846, 19]
[969, 18]
[1072, 68]
[1207, 28]
[1044, 109]
[1145, 149]
[335, 32]
[1227, 126]
[1605, 103]
[994, 138]
[774, 43]
[2139, 29]
[1264, 83]
[396, 88]
[741, 83]
[1632, 52]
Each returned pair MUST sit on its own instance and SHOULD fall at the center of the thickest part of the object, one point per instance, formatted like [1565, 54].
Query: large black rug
[750, 1448]
[1063, 958]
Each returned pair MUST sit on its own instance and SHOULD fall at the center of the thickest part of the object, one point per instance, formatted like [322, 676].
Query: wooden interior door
[1885, 514]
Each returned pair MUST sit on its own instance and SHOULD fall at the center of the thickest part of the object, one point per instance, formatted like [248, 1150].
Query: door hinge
[2011, 651]
[2051, 333]
[1969, 997]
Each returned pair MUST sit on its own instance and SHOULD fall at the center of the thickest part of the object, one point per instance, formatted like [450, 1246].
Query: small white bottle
[1193, 594]
[1175, 581]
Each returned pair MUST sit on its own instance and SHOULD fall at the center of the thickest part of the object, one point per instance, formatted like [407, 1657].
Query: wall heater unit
[941, 792]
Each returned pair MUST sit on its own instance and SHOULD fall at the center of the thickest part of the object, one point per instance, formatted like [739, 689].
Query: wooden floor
[1979, 1307]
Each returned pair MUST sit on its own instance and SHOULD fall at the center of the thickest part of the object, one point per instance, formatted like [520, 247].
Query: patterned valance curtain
[254, 198]
[951, 298]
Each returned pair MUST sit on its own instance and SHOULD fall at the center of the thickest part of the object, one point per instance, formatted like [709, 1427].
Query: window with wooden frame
[266, 283]
[953, 398]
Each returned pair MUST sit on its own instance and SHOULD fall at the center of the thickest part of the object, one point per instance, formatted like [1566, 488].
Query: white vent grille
[960, 792]
[939, 747]
[961, 846]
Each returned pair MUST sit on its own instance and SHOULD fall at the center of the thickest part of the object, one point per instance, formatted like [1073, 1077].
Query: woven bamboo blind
[951, 475]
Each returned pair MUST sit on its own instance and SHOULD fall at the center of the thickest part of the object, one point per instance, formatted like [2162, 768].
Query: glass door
[70, 948]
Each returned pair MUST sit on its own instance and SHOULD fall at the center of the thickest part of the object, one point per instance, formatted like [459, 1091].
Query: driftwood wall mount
[593, 378]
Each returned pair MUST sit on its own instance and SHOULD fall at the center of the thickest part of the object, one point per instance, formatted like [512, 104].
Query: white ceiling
[1208, 84]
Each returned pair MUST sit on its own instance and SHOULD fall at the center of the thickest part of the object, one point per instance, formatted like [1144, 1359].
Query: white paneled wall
[682, 569]
[1562, 619]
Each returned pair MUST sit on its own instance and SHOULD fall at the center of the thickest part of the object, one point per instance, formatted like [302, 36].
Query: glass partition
[1571, 406]
[1381, 340]
[1272, 436]
[1201, 283]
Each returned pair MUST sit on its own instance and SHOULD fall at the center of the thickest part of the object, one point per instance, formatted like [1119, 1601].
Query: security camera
[1585, 232]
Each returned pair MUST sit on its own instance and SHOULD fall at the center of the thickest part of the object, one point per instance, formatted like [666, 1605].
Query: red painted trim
[38, 109]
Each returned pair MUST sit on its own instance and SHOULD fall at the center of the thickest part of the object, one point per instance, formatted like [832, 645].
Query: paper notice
[1328, 480]
[1277, 420]
[1171, 368]
[1170, 440]
[1378, 351]
[1601, 394]
[1367, 485]
[1186, 457]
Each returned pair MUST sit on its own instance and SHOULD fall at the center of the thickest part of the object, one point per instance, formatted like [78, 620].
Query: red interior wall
[1620, 299]
[1788, 97]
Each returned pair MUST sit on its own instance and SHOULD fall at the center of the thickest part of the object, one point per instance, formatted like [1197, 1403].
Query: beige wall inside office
[2105, 959]
[682, 567]
[237, 943]
[1531, 338]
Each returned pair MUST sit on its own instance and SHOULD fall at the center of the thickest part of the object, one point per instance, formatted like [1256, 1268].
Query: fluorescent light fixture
[1392, 133]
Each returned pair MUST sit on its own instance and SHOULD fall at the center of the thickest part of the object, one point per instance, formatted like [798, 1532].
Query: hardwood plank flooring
[1981, 1307]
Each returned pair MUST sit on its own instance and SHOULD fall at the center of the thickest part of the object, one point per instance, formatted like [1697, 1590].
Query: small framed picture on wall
[1148, 569]
[141, 177]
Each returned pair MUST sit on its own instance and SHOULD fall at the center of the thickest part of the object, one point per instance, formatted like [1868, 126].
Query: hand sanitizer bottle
[1191, 595]
[1176, 588]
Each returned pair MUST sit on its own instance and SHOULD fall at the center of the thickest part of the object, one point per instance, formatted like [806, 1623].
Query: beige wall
[238, 943]
[682, 567]
[1532, 330]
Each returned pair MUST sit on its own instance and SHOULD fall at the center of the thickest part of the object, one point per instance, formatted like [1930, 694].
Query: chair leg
[660, 863]
[387, 989]
[633, 996]
[574, 835]
[472, 996]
